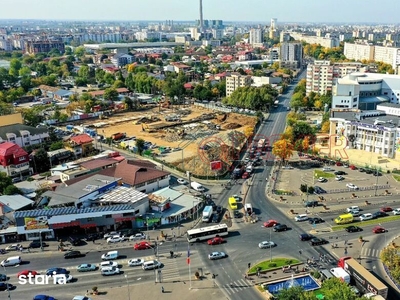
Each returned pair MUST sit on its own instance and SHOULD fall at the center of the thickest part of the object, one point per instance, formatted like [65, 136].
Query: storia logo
[43, 279]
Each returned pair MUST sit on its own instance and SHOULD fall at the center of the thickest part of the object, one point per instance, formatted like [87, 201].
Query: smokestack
[201, 17]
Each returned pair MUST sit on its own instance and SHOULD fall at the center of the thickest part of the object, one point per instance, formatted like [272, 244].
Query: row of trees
[255, 98]
[319, 52]
[391, 260]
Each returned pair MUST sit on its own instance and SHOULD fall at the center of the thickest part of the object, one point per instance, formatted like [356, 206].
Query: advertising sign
[36, 223]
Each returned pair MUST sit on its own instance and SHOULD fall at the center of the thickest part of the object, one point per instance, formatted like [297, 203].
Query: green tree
[293, 293]
[56, 145]
[129, 103]
[140, 146]
[42, 161]
[15, 66]
[12, 190]
[111, 94]
[5, 181]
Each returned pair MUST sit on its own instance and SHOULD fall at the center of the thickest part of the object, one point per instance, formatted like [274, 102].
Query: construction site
[188, 137]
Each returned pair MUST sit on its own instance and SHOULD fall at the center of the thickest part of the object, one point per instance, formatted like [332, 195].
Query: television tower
[201, 17]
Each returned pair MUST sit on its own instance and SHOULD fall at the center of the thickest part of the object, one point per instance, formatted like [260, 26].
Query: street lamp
[197, 209]
[270, 246]
[129, 292]
[40, 239]
[376, 184]
[8, 289]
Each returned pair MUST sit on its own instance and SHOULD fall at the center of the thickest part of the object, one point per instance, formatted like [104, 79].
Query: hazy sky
[348, 11]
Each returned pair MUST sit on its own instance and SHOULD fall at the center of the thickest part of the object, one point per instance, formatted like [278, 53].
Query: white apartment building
[322, 74]
[327, 42]
[388, 55]
[256, 36]
[371, 131]
[292, 52]
[235, 80]
[217, 34]
[120, 60]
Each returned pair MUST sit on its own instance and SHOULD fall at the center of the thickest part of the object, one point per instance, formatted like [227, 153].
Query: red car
[27, 272]
[215, 241]
[353, 167]
[386, 209]
[142, 246]
[378, 229]
[270, 223]
[245, 175]
[338, 163]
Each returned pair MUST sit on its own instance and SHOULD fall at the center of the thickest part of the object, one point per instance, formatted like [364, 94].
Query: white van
[151, 265]
[110, 255]
[365, 217]
[197, 186]
[341, 274]
[11, 261]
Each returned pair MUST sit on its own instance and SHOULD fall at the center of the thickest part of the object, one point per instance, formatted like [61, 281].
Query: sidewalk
[201, 290]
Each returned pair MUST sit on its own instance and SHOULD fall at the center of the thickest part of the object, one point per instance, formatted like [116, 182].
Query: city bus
[206, 233]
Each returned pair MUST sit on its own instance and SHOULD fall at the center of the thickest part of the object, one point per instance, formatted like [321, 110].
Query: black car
[36, 244]
[318, 241]
[54, 271]
[311, 203]
[75, 241]
[306, 237]
[379, 214]
[369, 171]
[361, 170]
[73, 254]
[280, 227]
[340, 173]
[219, 209]
[353, 229]
[236, 214]
[3, 277]
[377, 174]
[319, 190]
[315, 220]
[5, 286]
[215, 218]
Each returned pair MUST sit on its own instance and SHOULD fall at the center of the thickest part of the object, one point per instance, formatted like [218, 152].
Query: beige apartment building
[322, 74]
[235, 80]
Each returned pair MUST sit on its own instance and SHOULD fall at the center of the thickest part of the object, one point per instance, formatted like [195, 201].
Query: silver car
[266, 244]
[216, 255]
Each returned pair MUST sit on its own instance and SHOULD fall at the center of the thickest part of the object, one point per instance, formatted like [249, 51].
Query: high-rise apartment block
[256, 37]
[291, 55]
[322, 74]
[235, 80]
[44, 46]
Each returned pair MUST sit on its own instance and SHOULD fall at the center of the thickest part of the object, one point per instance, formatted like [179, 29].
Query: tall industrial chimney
[201, 17]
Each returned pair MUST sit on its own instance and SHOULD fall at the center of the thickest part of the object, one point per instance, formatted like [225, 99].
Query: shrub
[316, 275]
[288, 262]
[272, 265]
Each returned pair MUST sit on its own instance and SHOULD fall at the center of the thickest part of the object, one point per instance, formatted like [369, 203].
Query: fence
[363, 188]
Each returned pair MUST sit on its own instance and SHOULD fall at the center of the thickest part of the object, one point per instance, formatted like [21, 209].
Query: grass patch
[318, 173]
[396, 177]
[283, 192]
[276, 263]
[369, 222]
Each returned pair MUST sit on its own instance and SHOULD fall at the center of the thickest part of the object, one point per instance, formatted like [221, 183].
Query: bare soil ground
[194, 134]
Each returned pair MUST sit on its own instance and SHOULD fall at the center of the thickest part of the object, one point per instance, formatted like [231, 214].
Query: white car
[137, 236]
[111, 234]
[352, 186]
[106, 264]
[81, 298]
[109, 271]
[61, 278]
[352, 208]
[115, 239]
[182, 181]
[135, 262]
[355, 213]
[339, 178]
[237, 198]
[322, 179]
[301, 218]
[13, 247]
[266, 244]
[396, 211]
[327, 169]
[216, 255]
[365, 217]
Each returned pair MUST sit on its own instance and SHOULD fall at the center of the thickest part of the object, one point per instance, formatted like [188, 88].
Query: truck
[344, 219]
[341, 274]
[364, 279]
[207, 213]
[197, 186]
[117, 136]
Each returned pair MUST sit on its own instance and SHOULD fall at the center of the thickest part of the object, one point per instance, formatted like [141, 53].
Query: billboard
[36, 223]
[216, 165]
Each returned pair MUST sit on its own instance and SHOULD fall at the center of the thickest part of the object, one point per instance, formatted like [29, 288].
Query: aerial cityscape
[197, 149]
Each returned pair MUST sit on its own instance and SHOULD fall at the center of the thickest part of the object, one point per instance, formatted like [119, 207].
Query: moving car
[301, 218]
[216, 255]
[386, 209]
[106, 264]
[378, 229]
[182, 181]
[109, 271]
[215, 241]
[355, 213]
[86, 268]
[379, 214]
[266, 244]
[135, 262]
[5, 286]
[352, 186]
[306, 237]
[318, 241]
[81, 298]
[315, 220]
[73, 254]
[353, 228]
[366, 216]
[54, 271]
[270, 223]
[352, 208]
[280, 227]
[64, 278]
[142, 246]
[43, 297]
[396, 211]
[137, 236]
[27, 273]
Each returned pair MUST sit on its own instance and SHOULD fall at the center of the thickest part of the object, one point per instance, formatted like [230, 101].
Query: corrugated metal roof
[69, 211]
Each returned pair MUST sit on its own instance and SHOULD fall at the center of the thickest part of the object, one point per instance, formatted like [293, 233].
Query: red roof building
[81, 145]
[13, 159]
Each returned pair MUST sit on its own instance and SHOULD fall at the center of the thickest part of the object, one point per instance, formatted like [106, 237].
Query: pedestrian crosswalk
[370, 252]
[237, 286]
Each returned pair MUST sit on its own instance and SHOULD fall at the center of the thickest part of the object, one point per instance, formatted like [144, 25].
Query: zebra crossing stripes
[237, 286]
[370, 252]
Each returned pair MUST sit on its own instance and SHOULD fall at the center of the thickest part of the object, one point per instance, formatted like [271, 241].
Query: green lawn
[276, 263]
[396, 177]
[318, 173]
[369, 222]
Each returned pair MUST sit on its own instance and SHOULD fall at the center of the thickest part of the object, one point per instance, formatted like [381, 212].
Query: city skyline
[327, 11]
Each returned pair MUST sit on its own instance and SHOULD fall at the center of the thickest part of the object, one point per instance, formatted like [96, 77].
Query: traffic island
[274, 266]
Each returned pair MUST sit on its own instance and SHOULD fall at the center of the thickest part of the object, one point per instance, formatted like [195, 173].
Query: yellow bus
[232, 203]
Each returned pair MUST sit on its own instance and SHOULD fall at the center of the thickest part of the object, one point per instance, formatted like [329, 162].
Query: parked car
[322, 179]
[270, 223]
[137, 236]
[3, 277]
[215, 218]
[318, 241]
[312, 203]
[353, 228]
[266, 244]
[318, 190]
[353, 167]
[378, 229]
[218, 209]
[6, 286]
[216, 255]
[75, 241]
[13, 247]
[315, 220]
[215, 241]
[115, 239]
[352, 186]
[86, 267]
[306, 237]
[135, 262]
[339, 178]
[73, 254]
[301, 218]
[182, 181]
[110, 234]
[280, 227]
[37, 244]
[361, 170]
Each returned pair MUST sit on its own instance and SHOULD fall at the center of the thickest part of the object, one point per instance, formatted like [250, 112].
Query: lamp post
[270, 246]
[195, 205]
[40, 239]
[376, 184]
[8, 289]
[129, 292]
